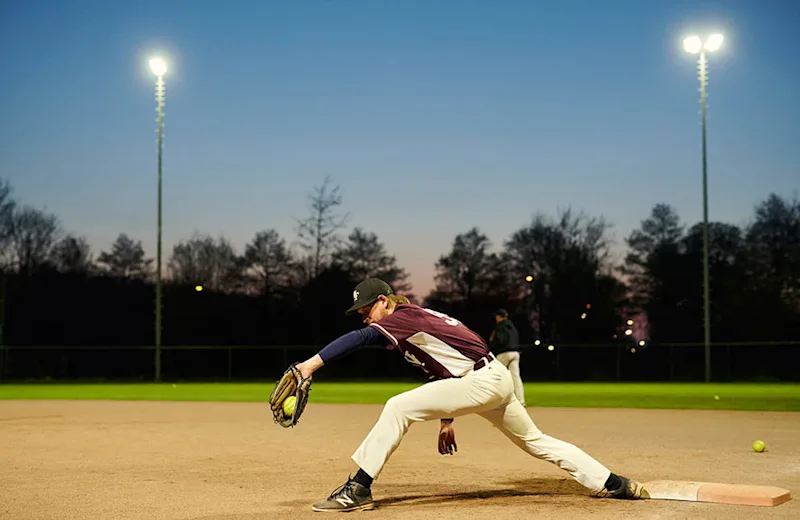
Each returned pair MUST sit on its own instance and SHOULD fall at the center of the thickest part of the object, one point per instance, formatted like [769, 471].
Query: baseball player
[504, 343]
[464, 378]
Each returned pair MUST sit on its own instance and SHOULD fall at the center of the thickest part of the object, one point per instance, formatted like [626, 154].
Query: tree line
[556, 275]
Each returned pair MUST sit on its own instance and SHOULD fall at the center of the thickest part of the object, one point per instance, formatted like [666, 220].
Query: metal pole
[703, 76]
[160, 123]
[3, 350]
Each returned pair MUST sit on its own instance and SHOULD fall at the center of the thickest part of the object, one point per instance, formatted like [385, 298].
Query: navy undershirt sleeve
[352, 341]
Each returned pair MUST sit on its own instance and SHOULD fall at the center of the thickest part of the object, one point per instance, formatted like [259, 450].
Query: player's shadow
[519, 488]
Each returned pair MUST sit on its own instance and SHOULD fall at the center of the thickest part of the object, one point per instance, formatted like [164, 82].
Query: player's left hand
[291, 384]
[447, 438]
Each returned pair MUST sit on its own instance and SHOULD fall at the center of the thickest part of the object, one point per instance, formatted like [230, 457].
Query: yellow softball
[288, 405]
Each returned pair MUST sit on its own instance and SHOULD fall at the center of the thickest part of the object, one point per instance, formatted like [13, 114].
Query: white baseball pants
[511, 361]
[488, 392]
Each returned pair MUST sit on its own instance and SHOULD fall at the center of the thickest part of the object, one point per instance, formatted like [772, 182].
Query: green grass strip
[698, 396]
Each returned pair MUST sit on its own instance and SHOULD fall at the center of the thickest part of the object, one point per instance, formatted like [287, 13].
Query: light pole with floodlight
[159, 68]
[694, 45]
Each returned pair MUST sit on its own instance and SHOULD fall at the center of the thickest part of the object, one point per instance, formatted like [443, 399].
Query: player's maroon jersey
[440, 345]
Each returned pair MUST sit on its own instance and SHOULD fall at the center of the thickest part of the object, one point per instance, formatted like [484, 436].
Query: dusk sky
[433, 116]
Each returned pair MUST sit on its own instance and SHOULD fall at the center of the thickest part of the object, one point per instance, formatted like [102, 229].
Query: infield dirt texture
[229, 461]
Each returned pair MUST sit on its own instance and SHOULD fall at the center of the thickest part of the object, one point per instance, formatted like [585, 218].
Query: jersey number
[447, 319]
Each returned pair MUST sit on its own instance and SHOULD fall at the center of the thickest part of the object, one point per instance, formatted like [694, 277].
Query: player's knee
[397, 406]
[393, 404]
[531, 434]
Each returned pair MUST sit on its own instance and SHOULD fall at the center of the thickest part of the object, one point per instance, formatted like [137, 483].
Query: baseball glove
[291, 383]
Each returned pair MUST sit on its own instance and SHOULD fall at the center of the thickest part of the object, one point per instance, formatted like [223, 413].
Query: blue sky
[434, 116]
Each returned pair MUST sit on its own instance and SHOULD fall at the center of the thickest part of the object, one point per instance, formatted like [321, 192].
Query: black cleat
[351, 496]
[629, 490]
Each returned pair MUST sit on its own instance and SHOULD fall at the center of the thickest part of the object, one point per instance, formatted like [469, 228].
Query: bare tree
[72, 255]
[364, 256]
[126, 259]
[7, 205]
[469, 269]
[318, 232]
[33, 235]
[562, 266]
[773, 240]
[204, 260]
[655, 270]
[269, 262]
[548, 246]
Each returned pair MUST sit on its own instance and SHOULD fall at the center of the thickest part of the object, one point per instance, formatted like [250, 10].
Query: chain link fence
[679, 362]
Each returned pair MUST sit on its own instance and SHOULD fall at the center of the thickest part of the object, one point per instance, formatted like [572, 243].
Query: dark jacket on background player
[505, 337]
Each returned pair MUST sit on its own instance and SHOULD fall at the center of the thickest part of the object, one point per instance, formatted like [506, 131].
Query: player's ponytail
[397, 299]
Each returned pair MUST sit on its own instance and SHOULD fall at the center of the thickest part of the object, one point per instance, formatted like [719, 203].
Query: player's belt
[482, 362]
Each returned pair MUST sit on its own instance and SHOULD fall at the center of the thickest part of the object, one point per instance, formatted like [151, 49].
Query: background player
[464, 378]
[504, 343]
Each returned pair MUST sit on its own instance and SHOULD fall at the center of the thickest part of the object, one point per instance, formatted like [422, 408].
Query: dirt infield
[229, 461]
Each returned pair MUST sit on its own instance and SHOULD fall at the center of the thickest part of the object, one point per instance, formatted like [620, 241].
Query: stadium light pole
[159, 67]
[694, 45]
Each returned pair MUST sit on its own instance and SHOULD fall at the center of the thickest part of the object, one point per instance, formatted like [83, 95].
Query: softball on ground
[288, 405]
[759, 446]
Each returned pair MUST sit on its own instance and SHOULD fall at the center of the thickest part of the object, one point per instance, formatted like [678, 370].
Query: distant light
[529, 278]
[714, 42]
[614, 336]
[641, 343]
[628, 332]
[198, 288]
[630, 322]
[551, 348]
[692, 44]
[583, 316]
[588, 306]
[158, 66]
[537, 342]
[633, 350]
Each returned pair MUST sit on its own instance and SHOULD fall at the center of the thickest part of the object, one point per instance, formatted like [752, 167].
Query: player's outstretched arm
[310, 365]
[341, 346]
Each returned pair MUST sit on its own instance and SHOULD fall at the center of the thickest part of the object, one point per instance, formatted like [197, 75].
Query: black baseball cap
[501, 312]
[367, 293]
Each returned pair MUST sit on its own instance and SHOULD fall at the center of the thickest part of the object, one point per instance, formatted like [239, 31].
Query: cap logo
[355, 296]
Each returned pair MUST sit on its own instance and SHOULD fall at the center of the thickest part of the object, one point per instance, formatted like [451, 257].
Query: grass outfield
[780, 397]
